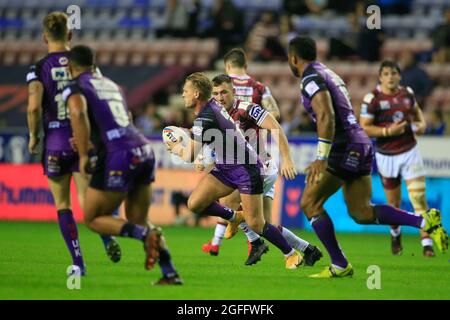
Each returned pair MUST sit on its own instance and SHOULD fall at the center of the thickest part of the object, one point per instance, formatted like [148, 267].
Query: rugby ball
[174, 134]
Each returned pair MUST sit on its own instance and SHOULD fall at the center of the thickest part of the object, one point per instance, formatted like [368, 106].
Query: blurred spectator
[306, 124]
[227, 25]
[342, 7]
[360, 42]
[302, 7]
[395, 6]
[180, 117]
[193, 9]
[415, 77]
[441, 40]
[369, 42]
[149, 121]
[344, 48]
[289, 121]
[263, 36]
[175, 20]
[179, 199]
[435, 123]
[287, 32]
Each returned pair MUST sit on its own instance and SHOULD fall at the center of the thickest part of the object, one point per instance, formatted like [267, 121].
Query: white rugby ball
[174, 134]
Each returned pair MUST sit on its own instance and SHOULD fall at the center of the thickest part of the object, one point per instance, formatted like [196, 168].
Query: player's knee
[256, 225]
[310, 206]
[89, 222]
[62, 204]
[195, 205]
[418, 200]
[361, 214]
[137, 219]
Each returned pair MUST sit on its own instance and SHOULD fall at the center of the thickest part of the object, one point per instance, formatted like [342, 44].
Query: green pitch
[33, 262]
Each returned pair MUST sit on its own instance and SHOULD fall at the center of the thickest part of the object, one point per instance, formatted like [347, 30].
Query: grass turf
[33, 262]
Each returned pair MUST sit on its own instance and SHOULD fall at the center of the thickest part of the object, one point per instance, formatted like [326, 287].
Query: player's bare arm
[322, 106]
[419, 124]
[287, 166]
[188, 153]
[271, 106]
[34, 113]
[374, 131]
[80, 126]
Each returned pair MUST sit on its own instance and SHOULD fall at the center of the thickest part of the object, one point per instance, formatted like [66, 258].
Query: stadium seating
[123, 33]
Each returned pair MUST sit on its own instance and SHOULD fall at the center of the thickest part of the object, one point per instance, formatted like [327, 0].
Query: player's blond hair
[202, 83]
[55, 26]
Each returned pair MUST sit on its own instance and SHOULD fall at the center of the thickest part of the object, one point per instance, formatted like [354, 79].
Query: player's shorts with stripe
[350, 161]
[123, 170]
[407, 165]
[247, 178]
[270, 177]
[59, 162]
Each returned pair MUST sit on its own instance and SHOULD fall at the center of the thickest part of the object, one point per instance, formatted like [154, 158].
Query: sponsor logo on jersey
[115, 178]
[31, 76]
[398, 116]
[385, 105]
[311, 88]
[60, 74]
[243, 91]
[256, 111]
[63, 61]
[197, 130]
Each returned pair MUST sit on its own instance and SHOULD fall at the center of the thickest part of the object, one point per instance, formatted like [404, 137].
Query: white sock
[396, 232]
[251, 235]
[427, 242]
[338, 267]
[294, 241]
[219, 232]
[290, 253]
[233, 218]
[422, 225]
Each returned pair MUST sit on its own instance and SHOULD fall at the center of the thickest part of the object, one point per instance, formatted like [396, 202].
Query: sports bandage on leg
[417, 197]
[323, 149]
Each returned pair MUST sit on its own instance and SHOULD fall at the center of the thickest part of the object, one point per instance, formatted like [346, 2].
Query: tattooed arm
[34, 113]
[271, 106]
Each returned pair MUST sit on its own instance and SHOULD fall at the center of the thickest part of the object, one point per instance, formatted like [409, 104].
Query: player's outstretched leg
[430, 222]
[257, 246]
[433, 226]
[357, 195]
[396, 240]
[252, 205]
[170, 275]
[60, 188]
[340, 267]
[69, 231]
[111, 245]
[212, 246]
[292, 258]
[311, 253]
[313, 199]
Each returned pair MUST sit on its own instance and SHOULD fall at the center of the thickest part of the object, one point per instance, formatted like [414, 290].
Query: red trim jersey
[248, 89]
[249, 117]
[385, 109]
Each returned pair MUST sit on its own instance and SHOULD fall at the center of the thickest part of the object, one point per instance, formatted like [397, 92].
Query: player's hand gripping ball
[173, 135]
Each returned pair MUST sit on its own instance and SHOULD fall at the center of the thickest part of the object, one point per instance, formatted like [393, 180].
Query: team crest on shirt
[398, 116]
[385, 105]
[115, 178]
[63, 61]
[53, 164]
[352, 161]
